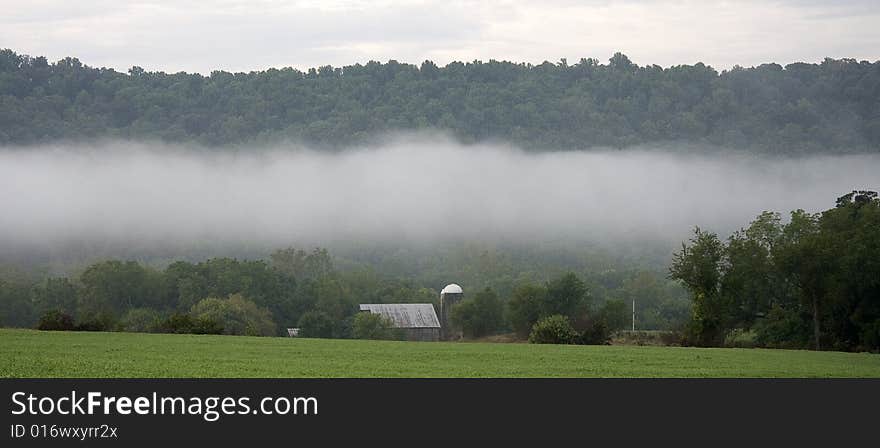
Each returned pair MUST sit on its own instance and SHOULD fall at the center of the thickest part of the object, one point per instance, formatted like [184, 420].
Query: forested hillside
[830, 107]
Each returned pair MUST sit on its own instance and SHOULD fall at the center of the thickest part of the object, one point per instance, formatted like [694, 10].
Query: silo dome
[451, 288]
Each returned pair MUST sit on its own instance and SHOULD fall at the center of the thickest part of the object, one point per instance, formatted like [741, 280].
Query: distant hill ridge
[831, 107]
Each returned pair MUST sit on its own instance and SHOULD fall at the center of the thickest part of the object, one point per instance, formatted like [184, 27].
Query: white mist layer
[407, 190]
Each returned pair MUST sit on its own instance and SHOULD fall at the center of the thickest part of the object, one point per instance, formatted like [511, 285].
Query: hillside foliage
[832, 106]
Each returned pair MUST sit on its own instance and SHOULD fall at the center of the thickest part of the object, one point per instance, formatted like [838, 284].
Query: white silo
[449, 296]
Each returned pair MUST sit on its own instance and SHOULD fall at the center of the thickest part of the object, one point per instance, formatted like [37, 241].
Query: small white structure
[293, 332]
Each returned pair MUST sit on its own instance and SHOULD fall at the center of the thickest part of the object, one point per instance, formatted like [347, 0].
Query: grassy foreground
[29, 353]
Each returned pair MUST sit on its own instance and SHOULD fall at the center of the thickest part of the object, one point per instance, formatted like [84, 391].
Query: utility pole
[634, 315]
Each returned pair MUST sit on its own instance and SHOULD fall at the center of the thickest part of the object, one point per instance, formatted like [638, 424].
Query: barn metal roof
[405, 315]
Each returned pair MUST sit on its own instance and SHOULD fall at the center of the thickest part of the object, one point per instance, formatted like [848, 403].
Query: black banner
[464, 412]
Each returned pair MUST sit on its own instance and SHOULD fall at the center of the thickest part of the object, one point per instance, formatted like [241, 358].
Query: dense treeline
[294, 288]
[811, 282]
[225, 295]
[831, 106]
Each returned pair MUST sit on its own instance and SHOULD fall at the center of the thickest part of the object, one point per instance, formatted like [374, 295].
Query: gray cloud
[242, 35]
[411, 189]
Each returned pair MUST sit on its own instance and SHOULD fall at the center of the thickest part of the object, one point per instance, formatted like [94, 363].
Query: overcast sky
[239, 35]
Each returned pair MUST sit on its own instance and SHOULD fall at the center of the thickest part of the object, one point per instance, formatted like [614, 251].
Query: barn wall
[422, 334]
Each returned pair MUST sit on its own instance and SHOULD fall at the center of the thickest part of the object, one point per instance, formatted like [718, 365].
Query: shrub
[374, 326]
[237, 315]
[91, 325]
[596, 332]
[141, 320]
[101, 321]
[648, 337]
[782, 328]
[315, 324]
[672, 337]
[182, 323]
[740, 338]
[555, 329]
[870, 336]
[55, 320]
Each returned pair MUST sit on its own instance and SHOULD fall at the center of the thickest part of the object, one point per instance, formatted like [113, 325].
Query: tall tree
[802, 256]
[698, 266]
[566, 295]
[479, 315]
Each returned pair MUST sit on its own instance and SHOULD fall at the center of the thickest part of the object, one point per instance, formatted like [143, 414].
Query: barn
[417, 320]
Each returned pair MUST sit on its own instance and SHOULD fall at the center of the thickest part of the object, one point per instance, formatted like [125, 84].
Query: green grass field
[29, 353]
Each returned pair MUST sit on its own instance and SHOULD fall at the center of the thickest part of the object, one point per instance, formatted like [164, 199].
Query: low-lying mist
[408, 190]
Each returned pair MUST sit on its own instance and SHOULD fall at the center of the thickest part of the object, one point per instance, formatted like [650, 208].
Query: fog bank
[408, 190]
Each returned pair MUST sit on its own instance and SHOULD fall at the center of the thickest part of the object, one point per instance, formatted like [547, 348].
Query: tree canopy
[829, 107]
[811, 282]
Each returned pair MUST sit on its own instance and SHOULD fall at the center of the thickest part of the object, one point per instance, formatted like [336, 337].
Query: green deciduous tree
[615, 314]
[237, 315]
[698, 267]
[815, 278]
[55, 293]
[480, 315]
[802, 256]
[524, 307]
[566, 295]
[112, 287]
[316, 324]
